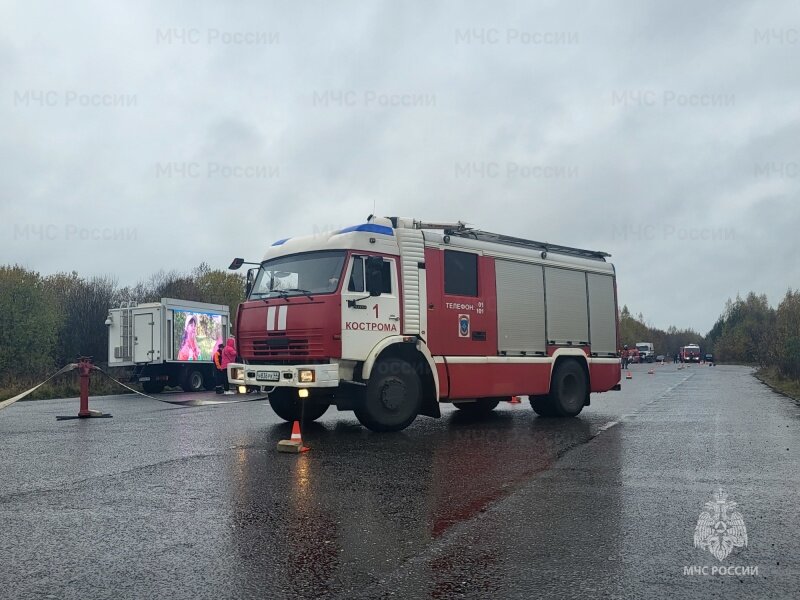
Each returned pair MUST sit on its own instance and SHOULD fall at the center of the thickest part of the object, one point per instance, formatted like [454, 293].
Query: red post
[84, 368]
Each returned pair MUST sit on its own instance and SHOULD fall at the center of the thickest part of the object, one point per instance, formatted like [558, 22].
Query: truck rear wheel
[392, 398]
[568, 389]
[290, 408]
[481, 406]
[193, 381]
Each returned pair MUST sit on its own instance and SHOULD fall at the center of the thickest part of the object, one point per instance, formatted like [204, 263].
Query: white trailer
[170, 342]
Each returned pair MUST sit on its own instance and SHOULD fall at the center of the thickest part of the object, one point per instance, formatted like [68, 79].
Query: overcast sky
[163, 134]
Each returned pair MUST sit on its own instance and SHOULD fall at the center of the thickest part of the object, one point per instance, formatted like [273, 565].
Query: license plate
[144, 379]
[268, 375]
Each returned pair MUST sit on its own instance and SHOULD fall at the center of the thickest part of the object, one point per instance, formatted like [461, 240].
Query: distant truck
[169, 343]
[690, 353]
[646, 351]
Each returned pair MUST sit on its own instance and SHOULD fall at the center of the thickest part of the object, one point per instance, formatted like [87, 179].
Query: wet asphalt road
[164, 501]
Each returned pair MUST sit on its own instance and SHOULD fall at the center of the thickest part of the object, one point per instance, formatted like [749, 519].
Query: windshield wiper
[304, 292]
[284, 293]
[280, 293]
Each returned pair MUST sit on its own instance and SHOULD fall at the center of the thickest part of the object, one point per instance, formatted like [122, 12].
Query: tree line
[633, 330]
[49, 320]
[750, 331]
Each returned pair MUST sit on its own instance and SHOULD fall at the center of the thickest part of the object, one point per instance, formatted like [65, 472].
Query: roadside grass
[66, 386]
[783, 385]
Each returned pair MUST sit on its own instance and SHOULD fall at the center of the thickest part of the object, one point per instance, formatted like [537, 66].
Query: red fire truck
[690, 353]
[391, 317]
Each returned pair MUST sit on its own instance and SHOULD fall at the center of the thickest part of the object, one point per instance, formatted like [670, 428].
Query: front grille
[284, 347]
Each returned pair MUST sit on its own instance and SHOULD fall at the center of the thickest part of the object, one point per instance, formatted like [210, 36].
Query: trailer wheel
[193, 381]
[568, 389]
[481, 406]
[290, 408]
[393, 397]
[542, 406]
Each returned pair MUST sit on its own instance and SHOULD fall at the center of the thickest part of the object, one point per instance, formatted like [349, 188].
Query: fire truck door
[366, 319]
[465, 312]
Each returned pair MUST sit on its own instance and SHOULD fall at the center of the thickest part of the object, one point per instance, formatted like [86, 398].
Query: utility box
[171, 342]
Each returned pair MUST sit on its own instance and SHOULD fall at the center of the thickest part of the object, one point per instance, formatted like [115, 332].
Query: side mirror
[237, 262]
[249, 286]
[374, 275]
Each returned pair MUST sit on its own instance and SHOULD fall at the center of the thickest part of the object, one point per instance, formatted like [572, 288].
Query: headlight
[306, 376]
[237, 374]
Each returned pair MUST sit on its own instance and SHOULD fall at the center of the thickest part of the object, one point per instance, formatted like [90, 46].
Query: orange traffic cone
[628, 375]
[515, 400]
[295, 444]
[296, 437]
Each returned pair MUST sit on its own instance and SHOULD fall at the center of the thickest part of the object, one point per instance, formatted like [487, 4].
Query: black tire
[193, 381]
[568, 389]
[290, 408]
[153, 387]
[541, 406]
[481, 406]
[393, 397]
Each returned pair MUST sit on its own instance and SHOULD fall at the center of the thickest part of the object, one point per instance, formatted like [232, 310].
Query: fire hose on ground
[85, 367]
[10, 401]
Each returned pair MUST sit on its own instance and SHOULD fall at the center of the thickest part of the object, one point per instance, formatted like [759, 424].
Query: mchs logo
[720, 529]
[463, 326]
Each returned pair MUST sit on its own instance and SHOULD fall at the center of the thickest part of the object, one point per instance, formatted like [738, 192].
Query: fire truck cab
[391, 317]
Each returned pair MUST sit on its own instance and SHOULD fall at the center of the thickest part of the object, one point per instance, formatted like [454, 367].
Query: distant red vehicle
[690, 353]
[634, 356]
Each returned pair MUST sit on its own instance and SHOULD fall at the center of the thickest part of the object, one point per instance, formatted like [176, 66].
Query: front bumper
[268, 376]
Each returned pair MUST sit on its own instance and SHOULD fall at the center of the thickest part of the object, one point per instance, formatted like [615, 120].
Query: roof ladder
[498, 238]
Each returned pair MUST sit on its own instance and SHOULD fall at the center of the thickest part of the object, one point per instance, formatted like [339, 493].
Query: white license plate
[268, 375]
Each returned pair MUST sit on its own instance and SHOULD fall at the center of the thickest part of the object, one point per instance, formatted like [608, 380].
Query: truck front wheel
[290, 408]
[392, 398]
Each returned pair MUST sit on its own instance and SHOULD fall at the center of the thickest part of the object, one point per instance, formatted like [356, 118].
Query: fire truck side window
[460, 273]
[356, 283]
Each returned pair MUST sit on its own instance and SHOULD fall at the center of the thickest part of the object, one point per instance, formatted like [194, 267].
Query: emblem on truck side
[463, 326]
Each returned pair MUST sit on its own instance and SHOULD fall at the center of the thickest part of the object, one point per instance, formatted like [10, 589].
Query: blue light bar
[283, 241]
[368, 227]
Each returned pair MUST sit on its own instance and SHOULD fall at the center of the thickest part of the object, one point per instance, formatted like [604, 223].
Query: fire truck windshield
[308, 273]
